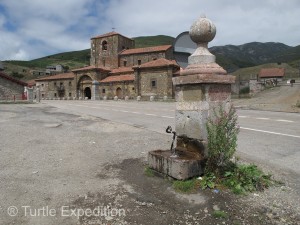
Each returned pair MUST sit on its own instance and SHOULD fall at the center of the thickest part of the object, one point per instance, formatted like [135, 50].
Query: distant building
[266, 74]
[11, 88]
[57, 86]
[38, 72]
[54, 69]
[117, 69]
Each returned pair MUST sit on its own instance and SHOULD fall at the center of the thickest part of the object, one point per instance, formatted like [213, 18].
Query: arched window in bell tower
[104, 45]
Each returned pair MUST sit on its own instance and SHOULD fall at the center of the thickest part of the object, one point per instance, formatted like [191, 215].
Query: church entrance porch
[84, 87]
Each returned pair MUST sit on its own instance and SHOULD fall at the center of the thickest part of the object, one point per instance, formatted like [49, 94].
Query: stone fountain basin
[186, 165]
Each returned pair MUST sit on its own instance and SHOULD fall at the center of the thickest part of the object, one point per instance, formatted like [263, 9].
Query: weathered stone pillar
[200, 88]
[95, 90]
[30, 94]
[38, 94]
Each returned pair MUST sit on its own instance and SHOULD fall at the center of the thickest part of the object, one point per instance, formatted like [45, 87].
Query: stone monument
[200, 88]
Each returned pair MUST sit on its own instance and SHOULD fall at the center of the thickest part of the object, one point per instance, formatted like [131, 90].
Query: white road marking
[149, 114]
[261, 118]
[288, 121]
[169, 117]
[265, 118]
[270, 132]
[124, 111]
[136, 112]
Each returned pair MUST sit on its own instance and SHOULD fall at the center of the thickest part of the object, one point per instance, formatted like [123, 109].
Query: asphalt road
[270, 138]
[62, 155]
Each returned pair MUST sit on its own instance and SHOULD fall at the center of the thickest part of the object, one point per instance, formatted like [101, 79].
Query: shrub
[220, 170]
[245, 90]
[222, 133]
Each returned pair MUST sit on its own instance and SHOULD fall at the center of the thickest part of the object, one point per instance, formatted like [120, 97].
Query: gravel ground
[282, 98]
[73, 163]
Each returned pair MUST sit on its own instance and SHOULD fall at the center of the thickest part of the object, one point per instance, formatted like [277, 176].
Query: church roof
[128, 77]
[146, 50]
[122, 70]
[60, 76]
[108, 35]
[162, 62]
[91, 68]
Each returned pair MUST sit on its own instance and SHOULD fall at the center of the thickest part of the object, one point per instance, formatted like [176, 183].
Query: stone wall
[195, 103]
[108, 57]
[256, 87]
[57, 88]
[9, 89]
[110, 90]
[161, 77]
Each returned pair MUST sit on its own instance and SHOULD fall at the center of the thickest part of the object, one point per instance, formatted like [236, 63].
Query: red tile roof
[162, 62]
[31, 83]
[146, 50]
[128, 77]
[3, 75]
[122, 70]
[58, 77]
[271, 72]
[91, 68]
[108, 35]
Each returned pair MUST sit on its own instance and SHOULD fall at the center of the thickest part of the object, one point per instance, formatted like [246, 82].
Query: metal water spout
[173, 149]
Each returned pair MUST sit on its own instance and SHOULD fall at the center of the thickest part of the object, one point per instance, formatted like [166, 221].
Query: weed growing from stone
[148, 172]
[222, 130]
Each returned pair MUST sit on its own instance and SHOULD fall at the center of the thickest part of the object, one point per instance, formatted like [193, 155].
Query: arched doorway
[84, 87]
[87, 92]
[119, 92]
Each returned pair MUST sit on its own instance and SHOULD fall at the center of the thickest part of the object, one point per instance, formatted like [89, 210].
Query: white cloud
[36, 28]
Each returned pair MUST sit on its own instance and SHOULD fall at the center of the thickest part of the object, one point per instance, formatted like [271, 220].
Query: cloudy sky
[35, 28]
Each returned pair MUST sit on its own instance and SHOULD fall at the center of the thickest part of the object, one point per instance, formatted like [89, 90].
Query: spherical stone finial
[202, 30]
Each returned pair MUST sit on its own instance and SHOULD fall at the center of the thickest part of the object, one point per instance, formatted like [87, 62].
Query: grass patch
[186, 186]
[220, 214]
[148, 172]
[298, 104]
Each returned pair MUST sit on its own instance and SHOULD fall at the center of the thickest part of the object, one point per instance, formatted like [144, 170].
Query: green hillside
[251, 72]
[250, 56]
[141, 42]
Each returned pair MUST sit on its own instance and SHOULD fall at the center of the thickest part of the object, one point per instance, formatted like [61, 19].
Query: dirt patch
[151, 200]
[282, 98]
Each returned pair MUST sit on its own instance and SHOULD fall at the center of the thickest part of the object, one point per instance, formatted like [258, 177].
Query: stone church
[116, 68]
